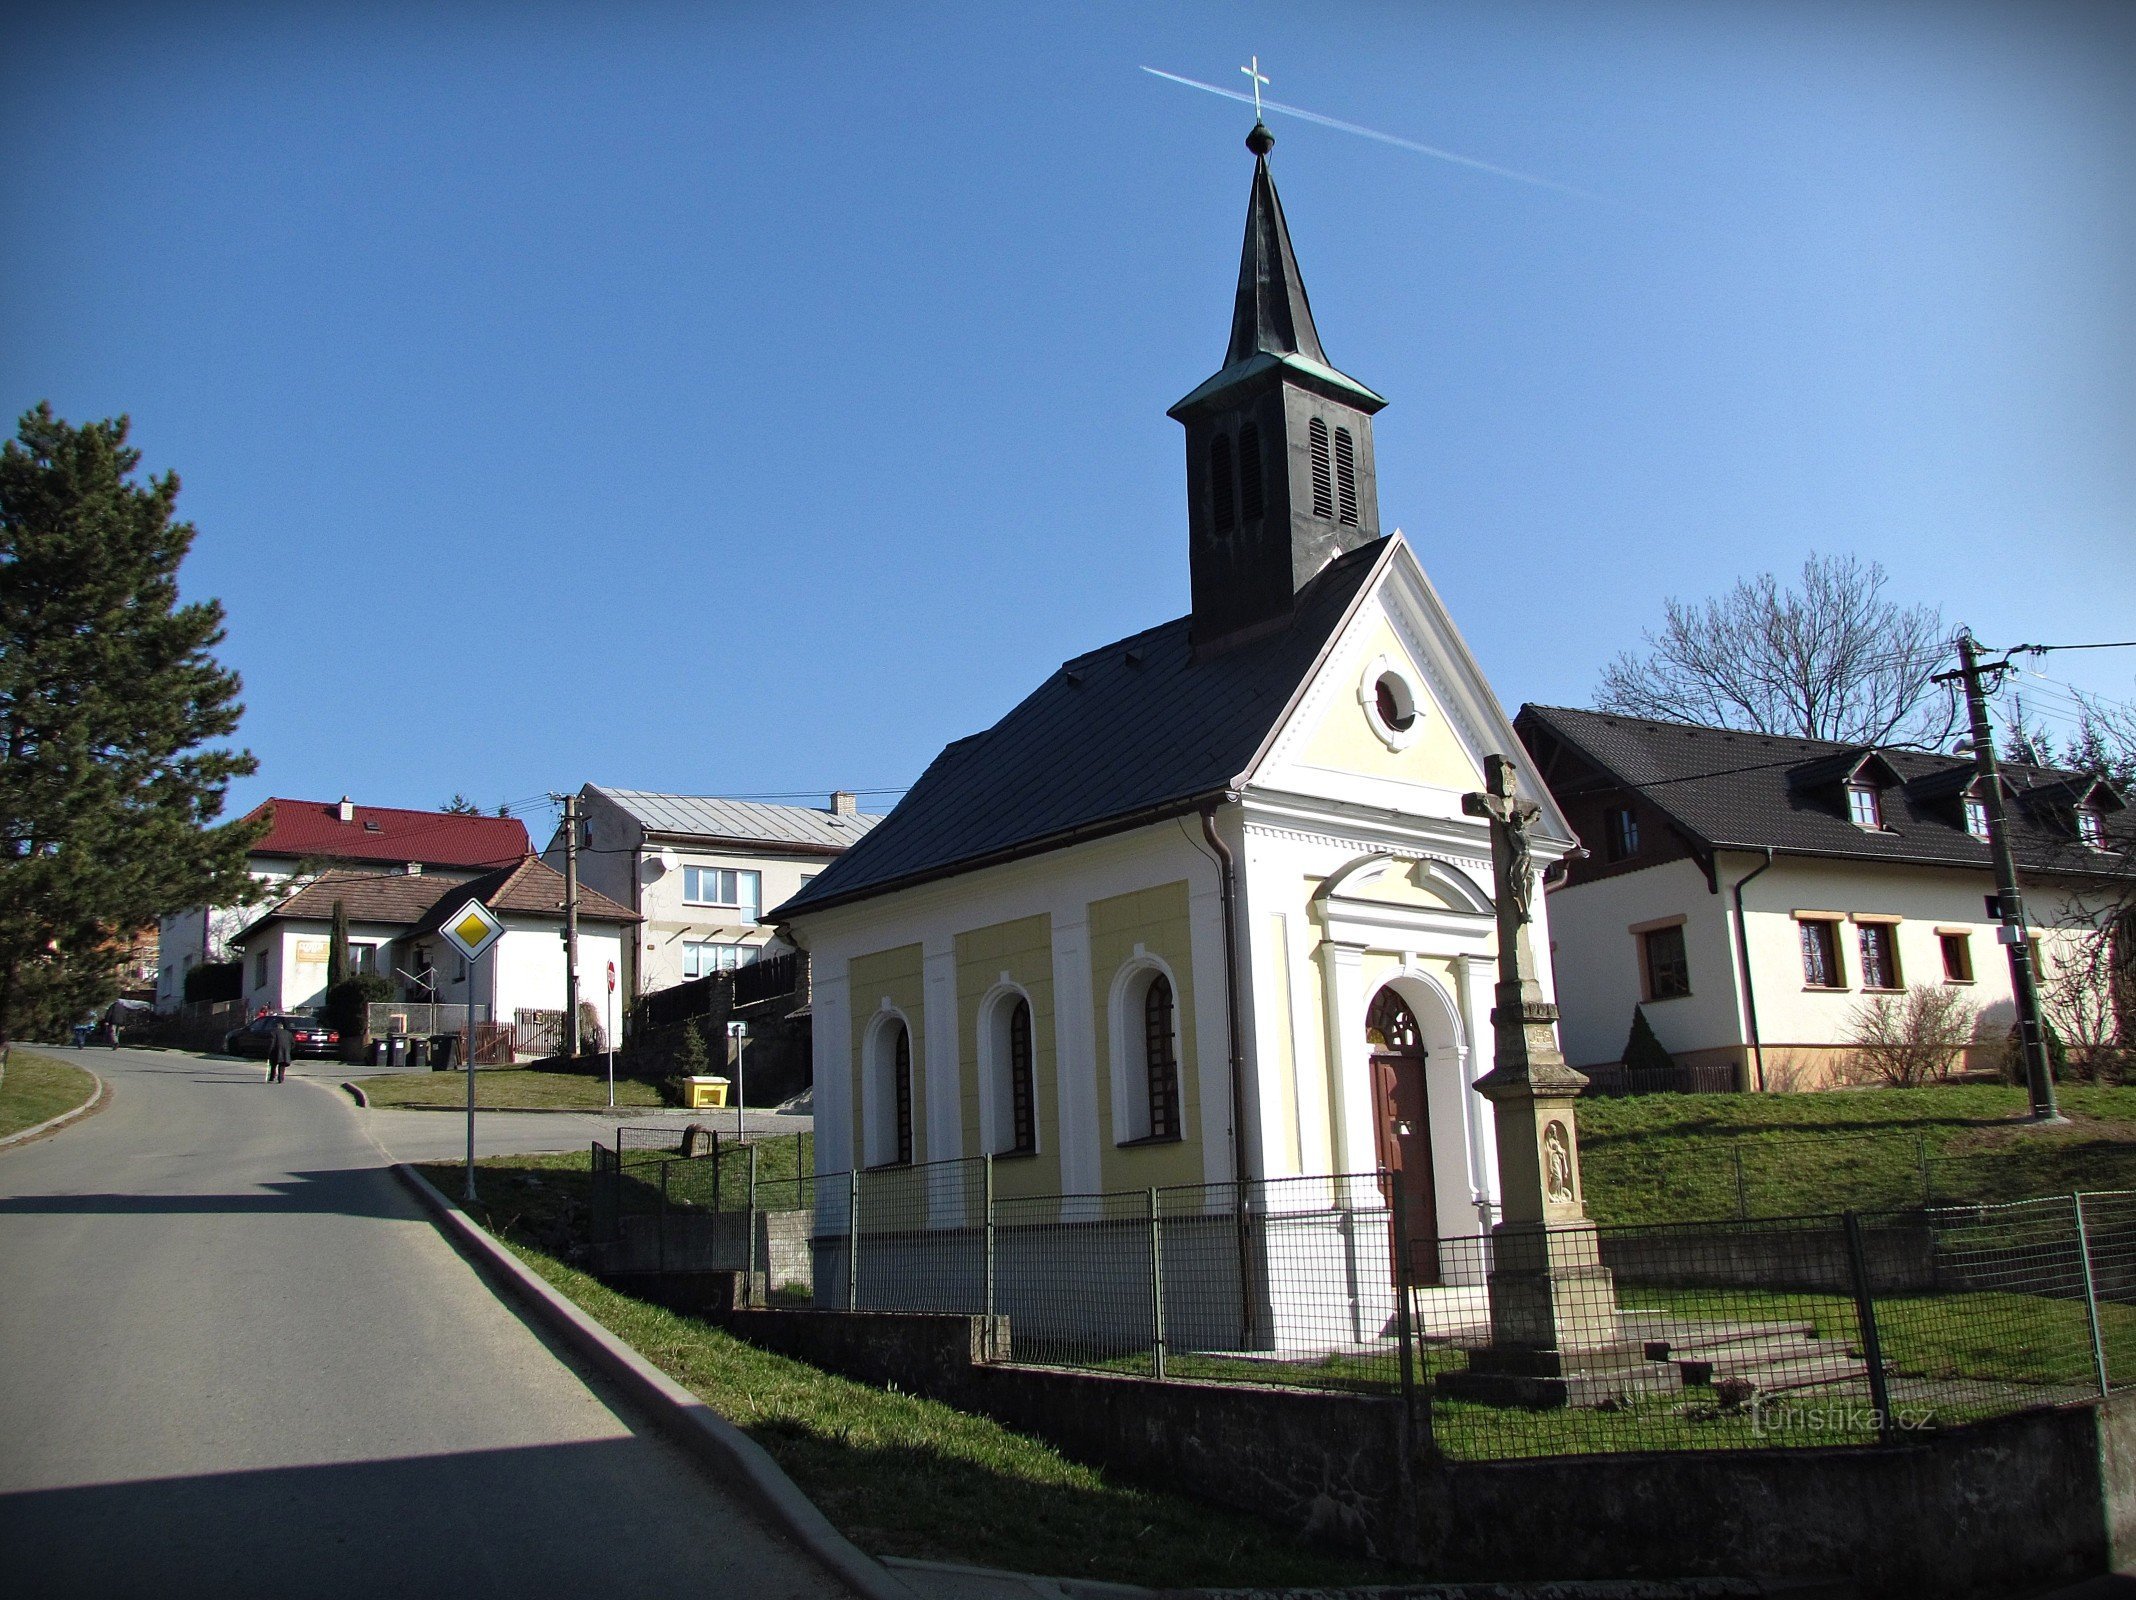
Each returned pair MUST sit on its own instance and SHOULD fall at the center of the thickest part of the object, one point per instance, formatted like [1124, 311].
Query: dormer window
[2089, 827]
[1865, 807]
[1976, 816]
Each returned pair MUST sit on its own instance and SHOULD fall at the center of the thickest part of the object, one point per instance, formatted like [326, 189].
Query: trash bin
[418, 1054]
[444, 1047]
[700, 1094]
[396, 1050]
[378, 1052]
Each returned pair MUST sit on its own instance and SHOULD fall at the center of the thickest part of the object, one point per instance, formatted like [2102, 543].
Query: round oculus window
[1391, 703]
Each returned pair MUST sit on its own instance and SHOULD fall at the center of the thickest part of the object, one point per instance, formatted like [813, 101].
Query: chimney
[348, 812]
[415, 869]
[844, 803]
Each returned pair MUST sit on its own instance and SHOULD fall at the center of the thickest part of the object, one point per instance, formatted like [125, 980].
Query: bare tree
[1830, 659]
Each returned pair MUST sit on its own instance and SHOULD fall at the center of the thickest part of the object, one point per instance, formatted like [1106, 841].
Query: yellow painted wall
[1345, 741]
[1156, 919]
[898, 974]
[1024, 950]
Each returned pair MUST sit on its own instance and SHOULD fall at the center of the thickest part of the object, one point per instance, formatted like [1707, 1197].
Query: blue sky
[747, 399]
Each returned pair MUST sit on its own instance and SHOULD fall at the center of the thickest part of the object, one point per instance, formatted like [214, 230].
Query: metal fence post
[1156, 1288]
[2091, 1291]
[1928, 1188]
[750, 1269]
[853, 1239]
[1865, 1314]
[716, 1206]
[1742, 1193]
[988, 1202]
[660, 1220]
[1399, 1218]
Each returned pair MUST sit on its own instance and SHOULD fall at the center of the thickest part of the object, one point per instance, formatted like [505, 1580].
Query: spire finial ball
[1260, 141]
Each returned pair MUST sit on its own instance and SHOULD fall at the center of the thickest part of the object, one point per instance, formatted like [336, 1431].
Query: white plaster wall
[1597, 955]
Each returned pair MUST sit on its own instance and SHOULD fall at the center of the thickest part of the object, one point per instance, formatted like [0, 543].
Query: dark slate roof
[1134, 729]
[1726, 789]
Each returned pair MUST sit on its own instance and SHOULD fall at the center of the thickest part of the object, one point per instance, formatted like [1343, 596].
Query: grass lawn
[1675, 1157]
[39, 1088]
[897, 1474]
[508, 1089]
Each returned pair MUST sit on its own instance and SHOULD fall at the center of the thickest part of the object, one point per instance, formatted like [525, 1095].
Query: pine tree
[110, 703]
[1642, 1050]
[337, 946]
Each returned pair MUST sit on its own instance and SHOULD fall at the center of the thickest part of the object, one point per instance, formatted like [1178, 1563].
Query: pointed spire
[1271, 313]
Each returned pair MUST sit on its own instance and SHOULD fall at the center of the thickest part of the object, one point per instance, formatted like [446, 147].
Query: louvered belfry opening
[1220, 500]
[1279, 444]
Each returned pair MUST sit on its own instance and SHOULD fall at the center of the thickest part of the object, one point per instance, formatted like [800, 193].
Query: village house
[307, 837]
[394, 920]
[1206, 905]
[700, 870]
[1749, 891]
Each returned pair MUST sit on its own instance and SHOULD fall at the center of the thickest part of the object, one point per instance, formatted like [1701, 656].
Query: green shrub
[1642, 1051]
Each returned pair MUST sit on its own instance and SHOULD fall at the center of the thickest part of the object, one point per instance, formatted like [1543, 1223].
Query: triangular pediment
[1397, 714]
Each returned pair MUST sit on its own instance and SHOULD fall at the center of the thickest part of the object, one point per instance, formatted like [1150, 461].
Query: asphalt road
[236, 1360]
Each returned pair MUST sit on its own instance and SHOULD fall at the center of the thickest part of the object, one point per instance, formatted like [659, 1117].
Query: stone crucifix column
[1555, 1338]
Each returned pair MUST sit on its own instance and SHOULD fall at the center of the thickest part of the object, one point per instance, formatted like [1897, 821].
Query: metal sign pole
[611, 1036]
[471, 966]
[740, 1030]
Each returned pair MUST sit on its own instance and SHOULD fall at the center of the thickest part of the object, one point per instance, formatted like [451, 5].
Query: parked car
[314, 1038]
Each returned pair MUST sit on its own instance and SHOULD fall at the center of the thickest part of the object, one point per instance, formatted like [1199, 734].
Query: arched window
[1249, 473]
[1023, 1123]
[1220, 493]
[1160, 1059]
[1346, 476]
[901, 1092]
[1316, 433]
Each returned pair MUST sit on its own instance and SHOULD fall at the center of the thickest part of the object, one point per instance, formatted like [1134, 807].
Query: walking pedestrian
[280, 1047]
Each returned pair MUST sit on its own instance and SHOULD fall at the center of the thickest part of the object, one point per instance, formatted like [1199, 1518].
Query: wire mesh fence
[1737, 1333]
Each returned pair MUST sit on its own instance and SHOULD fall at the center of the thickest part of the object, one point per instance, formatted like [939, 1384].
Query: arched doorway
[1402, 1122]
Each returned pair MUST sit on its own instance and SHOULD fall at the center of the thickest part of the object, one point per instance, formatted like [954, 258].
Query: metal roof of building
[1729, 789]
[1125, 731]
[746, 821]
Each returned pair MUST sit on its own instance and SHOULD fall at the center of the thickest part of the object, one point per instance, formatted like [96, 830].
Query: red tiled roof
[313, 829]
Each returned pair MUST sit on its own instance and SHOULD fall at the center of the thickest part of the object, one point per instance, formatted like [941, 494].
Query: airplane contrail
[1383, 138]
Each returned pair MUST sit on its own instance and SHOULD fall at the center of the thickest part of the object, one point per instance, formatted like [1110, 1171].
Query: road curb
[731, 1455]
[88, 1108]
[533, 1111]
[362, 1100]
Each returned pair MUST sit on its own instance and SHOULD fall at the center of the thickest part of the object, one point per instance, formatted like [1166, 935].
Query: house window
[901, 1092]
[2089, 829]
[1865, 807]
[1016, 1121]
[1957, 957]
[1880, 955]
[703, 957]
[1668, 969]
[1620, 834]
[1220, 490]
[1160, 1058]
[726, 887]
[1249, 473]
[259, 970]
[1346, 477]
[1976, 816]
[1316, 433]
[363, 958]
[1820, 957]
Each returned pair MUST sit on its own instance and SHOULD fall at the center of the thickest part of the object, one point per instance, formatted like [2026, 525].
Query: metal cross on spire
[1253, 71]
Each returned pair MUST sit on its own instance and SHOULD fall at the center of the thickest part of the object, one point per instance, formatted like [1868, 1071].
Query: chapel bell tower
[1280, 476]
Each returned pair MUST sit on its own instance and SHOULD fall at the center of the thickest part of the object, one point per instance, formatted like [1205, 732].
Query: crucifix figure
[1253, 71]
[1512, 857]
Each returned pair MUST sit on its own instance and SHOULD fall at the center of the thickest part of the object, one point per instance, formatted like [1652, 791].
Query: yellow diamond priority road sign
[472, 929]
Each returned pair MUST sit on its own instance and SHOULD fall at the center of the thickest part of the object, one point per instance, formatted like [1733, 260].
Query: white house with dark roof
[1749, 890]
[701, 870]
[1206, 905]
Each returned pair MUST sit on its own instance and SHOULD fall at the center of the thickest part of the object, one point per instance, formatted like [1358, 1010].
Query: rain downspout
[1750, 994]
[1227, 893]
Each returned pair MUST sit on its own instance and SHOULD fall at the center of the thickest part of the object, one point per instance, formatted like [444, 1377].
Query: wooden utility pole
[571, 901]
[2024, 985]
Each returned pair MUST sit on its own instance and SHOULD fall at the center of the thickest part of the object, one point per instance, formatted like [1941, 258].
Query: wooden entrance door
[1403, 1117]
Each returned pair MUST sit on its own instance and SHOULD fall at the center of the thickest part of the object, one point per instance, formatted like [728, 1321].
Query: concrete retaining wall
[2041, 1498]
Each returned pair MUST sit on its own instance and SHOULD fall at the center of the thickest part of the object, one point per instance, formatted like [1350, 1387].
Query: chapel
[1205, 908]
